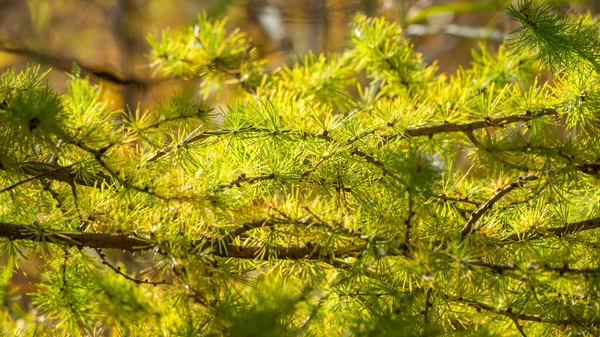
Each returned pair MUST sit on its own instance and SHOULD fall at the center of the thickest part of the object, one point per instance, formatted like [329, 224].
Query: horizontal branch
[245, 179]
[569, 228]
[430, 130]
[283, 253]
[499, 268]
[466, 200]
[509, 312]
[591, 168]
[61, 173]
[455, 30]
[192, 138]
[66, 64]
[245, 227]
[92, 240]
[224, 248]
[118, 271]
[413, 131]
[133, 243]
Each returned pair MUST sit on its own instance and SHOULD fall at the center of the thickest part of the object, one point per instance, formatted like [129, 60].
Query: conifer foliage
[314, 204]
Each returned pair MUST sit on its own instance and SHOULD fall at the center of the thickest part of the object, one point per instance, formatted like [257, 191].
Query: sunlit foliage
[317, 202]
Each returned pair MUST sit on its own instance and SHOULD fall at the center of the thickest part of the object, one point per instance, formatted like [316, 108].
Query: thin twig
[507, 312]
[408, 220]
[245, 227]
[428, 305]
[466, 200]
[127, 277]
[245, 179]
[46, 186]
[498, 268]
[64, 270]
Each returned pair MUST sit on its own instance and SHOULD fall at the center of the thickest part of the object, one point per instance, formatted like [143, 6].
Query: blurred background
[107, 40]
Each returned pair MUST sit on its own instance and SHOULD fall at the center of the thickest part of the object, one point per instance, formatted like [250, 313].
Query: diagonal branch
[478, 213]
[519, 327]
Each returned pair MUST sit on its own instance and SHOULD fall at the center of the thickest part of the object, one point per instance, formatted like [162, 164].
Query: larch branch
[56, 172]
[508, 312]
[478, 213]
[569, 228]
[136, 243]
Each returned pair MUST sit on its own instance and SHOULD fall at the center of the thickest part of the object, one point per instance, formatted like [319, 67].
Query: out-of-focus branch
[477, 33]
[66, 64]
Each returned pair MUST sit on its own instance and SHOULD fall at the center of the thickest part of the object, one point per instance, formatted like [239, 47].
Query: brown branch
[408, 220]
[427, 130]
[133, 243]
[371, 160]
[592, 168]
[19, 183]
[245, 227]
[519, 327]
[59, 173]
[163, 121]
[413, 131]
[499, 268]
[472, 138]
[478, 213]
[508, 312]
[570, 228]
[428, 305]
[118, 270]
[223, 248]
[293, 252]
[98, 156]
[466, 127]
[245, 179]
[66, 64]
[92, 240]
[456, 199]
